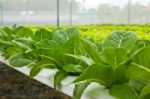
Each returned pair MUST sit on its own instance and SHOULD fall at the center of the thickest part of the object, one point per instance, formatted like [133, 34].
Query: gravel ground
[14, 85]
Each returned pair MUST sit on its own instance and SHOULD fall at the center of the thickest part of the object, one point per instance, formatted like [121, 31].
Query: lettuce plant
[119, 62]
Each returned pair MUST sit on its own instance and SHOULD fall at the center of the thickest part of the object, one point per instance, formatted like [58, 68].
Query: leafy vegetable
[120, 62]
[19, 60]
[60, 75]
[79, 88]
[123, 91]
[145, 94]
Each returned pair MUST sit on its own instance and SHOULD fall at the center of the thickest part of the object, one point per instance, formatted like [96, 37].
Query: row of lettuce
[101, 31]
[120, 62]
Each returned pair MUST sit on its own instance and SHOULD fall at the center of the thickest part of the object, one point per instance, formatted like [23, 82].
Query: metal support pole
[26, 12]
[70, 12]
[129, 11]
[58, 16]
[1, 14]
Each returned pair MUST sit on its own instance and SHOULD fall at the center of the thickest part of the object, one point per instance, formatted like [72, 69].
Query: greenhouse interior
[74, 49]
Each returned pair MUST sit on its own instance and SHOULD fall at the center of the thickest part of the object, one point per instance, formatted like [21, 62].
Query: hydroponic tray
[46, 76]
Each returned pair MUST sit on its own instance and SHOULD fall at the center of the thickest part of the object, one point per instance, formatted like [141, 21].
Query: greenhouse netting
[74, 12]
